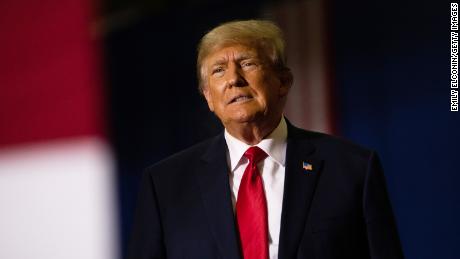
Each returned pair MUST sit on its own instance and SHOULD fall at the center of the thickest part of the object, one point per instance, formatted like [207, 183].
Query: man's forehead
[236, 51]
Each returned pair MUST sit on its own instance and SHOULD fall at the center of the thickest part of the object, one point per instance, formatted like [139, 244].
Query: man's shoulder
[327, 144]
[345, 159]
[186, 158]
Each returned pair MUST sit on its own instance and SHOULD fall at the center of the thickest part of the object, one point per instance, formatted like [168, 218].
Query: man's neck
[252, 133]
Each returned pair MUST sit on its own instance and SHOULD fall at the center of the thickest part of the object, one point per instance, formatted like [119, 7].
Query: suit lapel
[301, 176]
[213, 179]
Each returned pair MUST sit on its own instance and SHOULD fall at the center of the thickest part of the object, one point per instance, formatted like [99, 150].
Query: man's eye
[217, 70]
[248, 64]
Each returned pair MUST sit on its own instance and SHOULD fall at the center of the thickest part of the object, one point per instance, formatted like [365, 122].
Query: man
[263, 188]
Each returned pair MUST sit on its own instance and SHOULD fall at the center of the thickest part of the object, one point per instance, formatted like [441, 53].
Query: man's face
[242, 85]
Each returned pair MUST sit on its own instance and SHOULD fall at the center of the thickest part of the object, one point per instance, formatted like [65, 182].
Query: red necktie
[251, 209]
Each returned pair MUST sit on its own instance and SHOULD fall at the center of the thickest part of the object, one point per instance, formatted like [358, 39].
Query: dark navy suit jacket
[340, 209]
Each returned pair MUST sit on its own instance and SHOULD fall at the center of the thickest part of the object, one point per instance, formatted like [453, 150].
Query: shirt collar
[274, 145]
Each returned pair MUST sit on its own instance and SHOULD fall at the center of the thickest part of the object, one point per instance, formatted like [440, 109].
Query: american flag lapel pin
[307, 167]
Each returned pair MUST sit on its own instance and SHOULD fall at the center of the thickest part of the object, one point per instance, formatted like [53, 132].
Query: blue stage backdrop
[392, 74]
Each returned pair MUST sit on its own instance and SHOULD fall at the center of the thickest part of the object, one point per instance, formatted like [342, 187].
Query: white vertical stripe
[316, 65]
[57, 201]
[308, 104]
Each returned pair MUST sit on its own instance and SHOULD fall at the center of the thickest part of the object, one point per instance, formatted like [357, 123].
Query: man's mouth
[240, 98]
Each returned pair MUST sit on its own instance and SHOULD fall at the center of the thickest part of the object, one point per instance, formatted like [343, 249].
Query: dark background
[390, 64]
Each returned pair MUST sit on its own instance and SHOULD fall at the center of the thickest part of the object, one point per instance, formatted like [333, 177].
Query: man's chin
[245, 118]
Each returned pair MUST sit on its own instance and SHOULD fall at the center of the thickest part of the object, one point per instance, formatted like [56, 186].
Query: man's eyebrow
[219, 62]
[244, 56]
[239, 58]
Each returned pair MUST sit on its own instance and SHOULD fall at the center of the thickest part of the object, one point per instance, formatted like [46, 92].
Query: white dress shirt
[272, 170]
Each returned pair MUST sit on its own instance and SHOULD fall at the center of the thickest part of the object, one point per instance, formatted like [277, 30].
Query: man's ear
[286, 79]
[208, 97]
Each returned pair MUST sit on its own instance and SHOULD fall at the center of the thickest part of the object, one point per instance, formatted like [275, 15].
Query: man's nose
[235, 77]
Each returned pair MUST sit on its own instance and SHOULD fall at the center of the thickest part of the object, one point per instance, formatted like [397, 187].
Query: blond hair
[264, 35]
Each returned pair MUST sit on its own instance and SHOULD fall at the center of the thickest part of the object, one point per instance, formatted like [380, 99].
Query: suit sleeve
[147, 235]
[381, 225]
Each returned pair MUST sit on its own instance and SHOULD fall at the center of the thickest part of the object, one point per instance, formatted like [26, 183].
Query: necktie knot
[255, 154]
